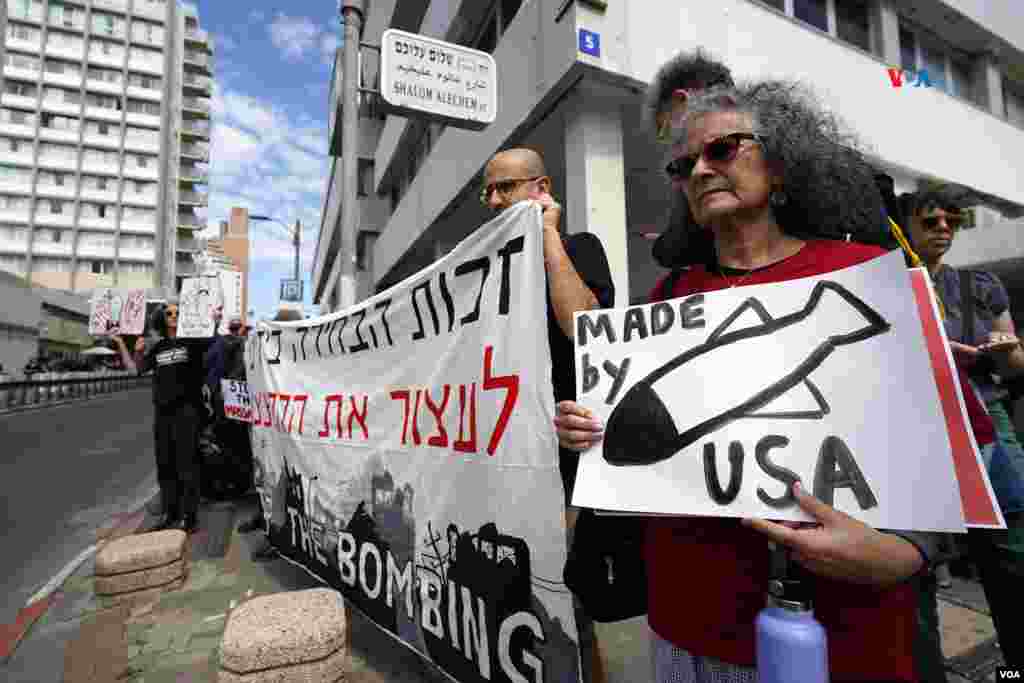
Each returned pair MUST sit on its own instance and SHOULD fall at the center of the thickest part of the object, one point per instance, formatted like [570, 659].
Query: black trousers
[177, 463]
[1000, 558]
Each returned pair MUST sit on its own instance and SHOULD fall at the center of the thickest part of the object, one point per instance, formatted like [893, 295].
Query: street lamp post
[295, 235]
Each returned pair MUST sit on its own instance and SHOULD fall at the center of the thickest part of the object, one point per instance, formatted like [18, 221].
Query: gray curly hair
[829, 184]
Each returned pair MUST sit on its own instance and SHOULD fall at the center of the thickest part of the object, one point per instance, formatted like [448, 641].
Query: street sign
[291, 290]
[425, 78]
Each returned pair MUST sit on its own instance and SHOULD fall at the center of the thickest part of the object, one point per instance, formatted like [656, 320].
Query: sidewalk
[176, 638]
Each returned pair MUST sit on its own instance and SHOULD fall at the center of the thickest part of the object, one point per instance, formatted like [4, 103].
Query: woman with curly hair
[777, 185]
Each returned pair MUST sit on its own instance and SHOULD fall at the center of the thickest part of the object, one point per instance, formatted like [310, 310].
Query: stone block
[144, 578]
[140, 597]
[141, 551]
[299, 635]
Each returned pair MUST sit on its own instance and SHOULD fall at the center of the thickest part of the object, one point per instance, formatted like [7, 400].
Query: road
[65, 471]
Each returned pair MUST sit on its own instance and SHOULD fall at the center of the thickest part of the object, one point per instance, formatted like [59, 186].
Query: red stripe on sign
[11, 634]
[978, 505]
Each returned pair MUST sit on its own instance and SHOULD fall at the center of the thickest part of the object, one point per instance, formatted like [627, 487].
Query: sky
[273, 66]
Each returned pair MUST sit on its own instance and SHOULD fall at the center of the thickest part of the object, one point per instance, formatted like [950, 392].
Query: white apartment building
[104, 141]
[571, 79]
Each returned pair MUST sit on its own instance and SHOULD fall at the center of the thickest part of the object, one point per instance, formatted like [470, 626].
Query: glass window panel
[814, 12]
[933, 59]
[908, 49]
[853, 23]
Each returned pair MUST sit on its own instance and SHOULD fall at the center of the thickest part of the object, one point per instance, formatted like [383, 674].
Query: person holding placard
[976, 315]
[777, 182]
[178, 373]
[579, 279]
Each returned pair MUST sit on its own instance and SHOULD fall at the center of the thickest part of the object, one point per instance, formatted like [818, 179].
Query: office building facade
[104, 142]
[571, 78]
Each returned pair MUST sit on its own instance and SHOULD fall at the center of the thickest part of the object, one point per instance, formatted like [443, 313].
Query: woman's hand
[840, 547]
[140, 345]
[119, 342]
[999, 342]
[965, 355]
[577, 427]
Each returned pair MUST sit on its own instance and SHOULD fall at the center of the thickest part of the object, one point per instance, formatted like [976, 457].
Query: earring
[778, 198]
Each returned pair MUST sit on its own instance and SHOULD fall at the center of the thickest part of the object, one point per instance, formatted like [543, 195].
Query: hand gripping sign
[825, 380]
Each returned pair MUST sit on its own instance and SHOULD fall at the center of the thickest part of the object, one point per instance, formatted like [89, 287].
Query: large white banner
[714, 404]
[408, 457]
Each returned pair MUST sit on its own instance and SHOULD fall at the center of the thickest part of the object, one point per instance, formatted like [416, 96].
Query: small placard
[590, 43]
[237, 403]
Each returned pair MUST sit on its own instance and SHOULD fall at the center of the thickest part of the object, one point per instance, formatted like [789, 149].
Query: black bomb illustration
[642, 430]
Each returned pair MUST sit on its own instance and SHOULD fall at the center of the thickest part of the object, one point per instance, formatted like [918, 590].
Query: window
[948, 69]
[104, 101]
[55, 122]
[933, 60]
[141, 161]
[24, 9]
[17, 117]
[58, 179]
[16, 61]
[141, 107]
[908, 49]
[1013, 102]
[56, 207]
[62, 15]
[55, 40]
[853, 23]
[102, 267]
[105, 49]
[814, 12]
[20, 32]
[106, 75]
[147, 82]
[107, 24]
[365, 185]
[22, 89]
[56, 66]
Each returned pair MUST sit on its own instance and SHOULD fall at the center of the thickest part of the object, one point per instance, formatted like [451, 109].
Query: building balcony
[57, 191]
[135, 226]
[193, 175]
[149, 94]
[34, 15]
[17, 101]
[93, 194]
[149, 66]
[41, 248]
[56, 220]
[64, 80]
[196, 129]
[55, 135]
[138, 144]
[196, 105]
[103, 114]
[58, 163]
[100, 167]
[145, 120]
[188, 221]
[19, 186]
[149, 10]
[186, 198]
[73, 53]
[89, 251]
[104, 87]
[193, 82]
[19, 73]
[188, 245]
[104, 141]
[34, 46]
[136, 255]
[195, 152]
[107, 224]
[9, 246]
[142, 173]
[200, 60]
[186, 269]
[68, 24]
[23, 158]
[62, 108]
[109, 61]
[17, 130]
[197, 36]
[120, 6]
[143, 199]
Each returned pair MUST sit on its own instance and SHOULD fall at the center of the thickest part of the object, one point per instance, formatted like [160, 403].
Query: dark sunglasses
[721, 150]
[931, 223]
[504, 187]
[170, 313]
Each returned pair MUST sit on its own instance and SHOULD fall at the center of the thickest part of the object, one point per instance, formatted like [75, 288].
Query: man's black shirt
[178, 371]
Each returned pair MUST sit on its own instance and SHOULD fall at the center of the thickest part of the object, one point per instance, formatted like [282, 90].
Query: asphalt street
[65, 471]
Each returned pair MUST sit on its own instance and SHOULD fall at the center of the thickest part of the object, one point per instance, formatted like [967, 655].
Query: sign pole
[352, 22]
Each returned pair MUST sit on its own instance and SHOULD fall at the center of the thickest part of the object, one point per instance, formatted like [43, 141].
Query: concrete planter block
[299, 635]
[139, 597]
[127, 582]
[141, 551]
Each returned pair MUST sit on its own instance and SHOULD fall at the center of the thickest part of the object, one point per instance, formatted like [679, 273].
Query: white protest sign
[715, 403]
[196, 303]
[237, 402]
[410, 459]
[114, 311]
[231, 292]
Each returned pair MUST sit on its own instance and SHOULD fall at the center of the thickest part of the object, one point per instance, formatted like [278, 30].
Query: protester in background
[975, 308]
[770, 174]
[579, 279]
[177, 398]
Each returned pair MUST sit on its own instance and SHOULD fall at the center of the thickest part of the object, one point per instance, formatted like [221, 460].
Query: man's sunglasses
[504, 187]
[721, 150]
[171, 313]
[931, 223]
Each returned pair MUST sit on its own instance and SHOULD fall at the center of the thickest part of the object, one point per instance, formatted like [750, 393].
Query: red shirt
[707, 577]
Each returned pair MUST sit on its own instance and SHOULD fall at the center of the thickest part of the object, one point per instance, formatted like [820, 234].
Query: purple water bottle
[791, 645]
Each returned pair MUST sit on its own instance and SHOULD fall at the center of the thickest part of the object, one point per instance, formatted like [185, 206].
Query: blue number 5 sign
[590, 43]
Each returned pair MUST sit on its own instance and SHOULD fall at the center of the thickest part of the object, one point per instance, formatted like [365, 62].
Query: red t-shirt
[708, 577]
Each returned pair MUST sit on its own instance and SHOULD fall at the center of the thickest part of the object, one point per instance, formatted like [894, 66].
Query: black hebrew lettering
[618, 375]
[303, 332]
[276, 360]
[330, 330]
[837, 469]
[383, 307]
[786, 476]
[341, 322]
[361, 345]
[449, 305]
[483, 264]
[319, 331]
[514, 246]
[736, 456]
[585, 324]
[634, 322]
[590, 374]
[662, 318]
[425, 288]
[691, 315]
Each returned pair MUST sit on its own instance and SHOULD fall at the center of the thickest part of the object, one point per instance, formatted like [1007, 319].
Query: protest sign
[237, 402]
[714, 404]
[231, 293]
[409, 457]
[979, 501]
[113, 311]
[196, 303]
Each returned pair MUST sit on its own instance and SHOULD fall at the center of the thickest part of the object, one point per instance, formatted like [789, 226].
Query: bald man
[579, 279]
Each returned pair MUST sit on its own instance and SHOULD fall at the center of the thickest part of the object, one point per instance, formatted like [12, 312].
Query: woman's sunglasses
[721, 150]
[931, 223]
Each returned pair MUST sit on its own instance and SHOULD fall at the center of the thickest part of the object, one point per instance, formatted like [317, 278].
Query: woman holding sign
[775, 180]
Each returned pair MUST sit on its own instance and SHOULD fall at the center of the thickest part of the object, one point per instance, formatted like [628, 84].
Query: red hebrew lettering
[328, 400]
[361, 419]
[441, 438]
[416, 439]
[272, 408]
[467, 445]
[403, 395]
[299, 398]
[510, 383]
[286, 399]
